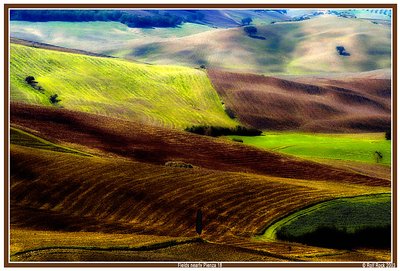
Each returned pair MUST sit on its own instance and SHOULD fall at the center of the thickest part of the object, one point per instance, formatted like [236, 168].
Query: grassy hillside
[347, 147]
[161, 95]
[352, 103]
[350, 214]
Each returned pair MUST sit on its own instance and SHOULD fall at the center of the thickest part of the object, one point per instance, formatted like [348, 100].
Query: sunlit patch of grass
[352, 147]
[169, 96]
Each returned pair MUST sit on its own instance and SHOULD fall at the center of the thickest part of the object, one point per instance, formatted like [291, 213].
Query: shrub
[221, 131]
[230, 113]
[30, 80]
[54, 99]
[237, 140]
[250, 30]
[246, 21]
[178, 164]
[342, 51]
[388, 135]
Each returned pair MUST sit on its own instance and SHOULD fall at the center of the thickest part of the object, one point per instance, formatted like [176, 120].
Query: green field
[344, 213]
[170, 96]
[348, 147]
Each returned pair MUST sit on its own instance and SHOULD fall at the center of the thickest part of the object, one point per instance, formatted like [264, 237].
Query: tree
[250, 30]
[246, 21]
[378, 156]
[388, 135]
[54, 99]
[30, 79]
[199, 221]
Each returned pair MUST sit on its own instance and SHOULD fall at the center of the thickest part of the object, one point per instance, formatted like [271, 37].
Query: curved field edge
[269, 233]
[23, 138]
[169, 96]
[147, 247]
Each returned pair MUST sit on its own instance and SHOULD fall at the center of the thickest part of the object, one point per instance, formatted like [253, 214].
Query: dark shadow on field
[332, 237]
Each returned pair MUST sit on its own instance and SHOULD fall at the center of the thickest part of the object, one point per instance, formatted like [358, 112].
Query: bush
[178, 164]
[230, 113]
[237, 140]
[342, 51]
[388, 135]
[54, 99]
[30, 80]
[221, 131]
[246, 21]
[250, 30]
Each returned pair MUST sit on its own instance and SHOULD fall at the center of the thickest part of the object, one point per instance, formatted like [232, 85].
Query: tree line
[156, 19]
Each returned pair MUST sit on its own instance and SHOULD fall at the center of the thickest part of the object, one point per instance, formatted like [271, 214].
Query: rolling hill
[158, 145]
[296, 47]
[349, 103]
[168, 96]
[126, 188]
[287, 48]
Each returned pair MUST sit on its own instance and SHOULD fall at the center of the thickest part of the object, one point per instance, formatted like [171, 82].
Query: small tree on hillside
[199, 221]
[30, 80]
[246, 21]
[250, 30]
[388, 135]
[54, 99]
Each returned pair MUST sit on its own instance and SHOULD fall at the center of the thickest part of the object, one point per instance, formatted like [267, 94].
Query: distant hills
[307, 46]
[150, 18]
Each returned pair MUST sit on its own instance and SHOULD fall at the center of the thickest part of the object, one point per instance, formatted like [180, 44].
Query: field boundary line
[149, 247]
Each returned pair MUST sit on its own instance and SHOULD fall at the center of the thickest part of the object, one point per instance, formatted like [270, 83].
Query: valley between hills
[200, 141]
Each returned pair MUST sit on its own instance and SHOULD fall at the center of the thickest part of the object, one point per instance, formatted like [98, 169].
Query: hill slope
[349, 104]
[161, 95]
[159, 145]
[288, 47]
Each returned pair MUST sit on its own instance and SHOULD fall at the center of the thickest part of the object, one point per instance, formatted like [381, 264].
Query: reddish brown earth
[348, 104]
[158, 145]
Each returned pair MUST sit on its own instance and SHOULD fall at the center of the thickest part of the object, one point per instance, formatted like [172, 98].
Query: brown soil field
[159, 145]
[312, 104]
[125, 189]
[54, 191]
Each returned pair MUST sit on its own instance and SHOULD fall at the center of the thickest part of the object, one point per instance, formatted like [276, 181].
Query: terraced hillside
[157, 146]
[333, 104]
[168, 96]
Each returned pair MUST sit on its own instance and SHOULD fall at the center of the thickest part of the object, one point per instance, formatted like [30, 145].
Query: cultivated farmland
[126, 136]
[353, 104]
